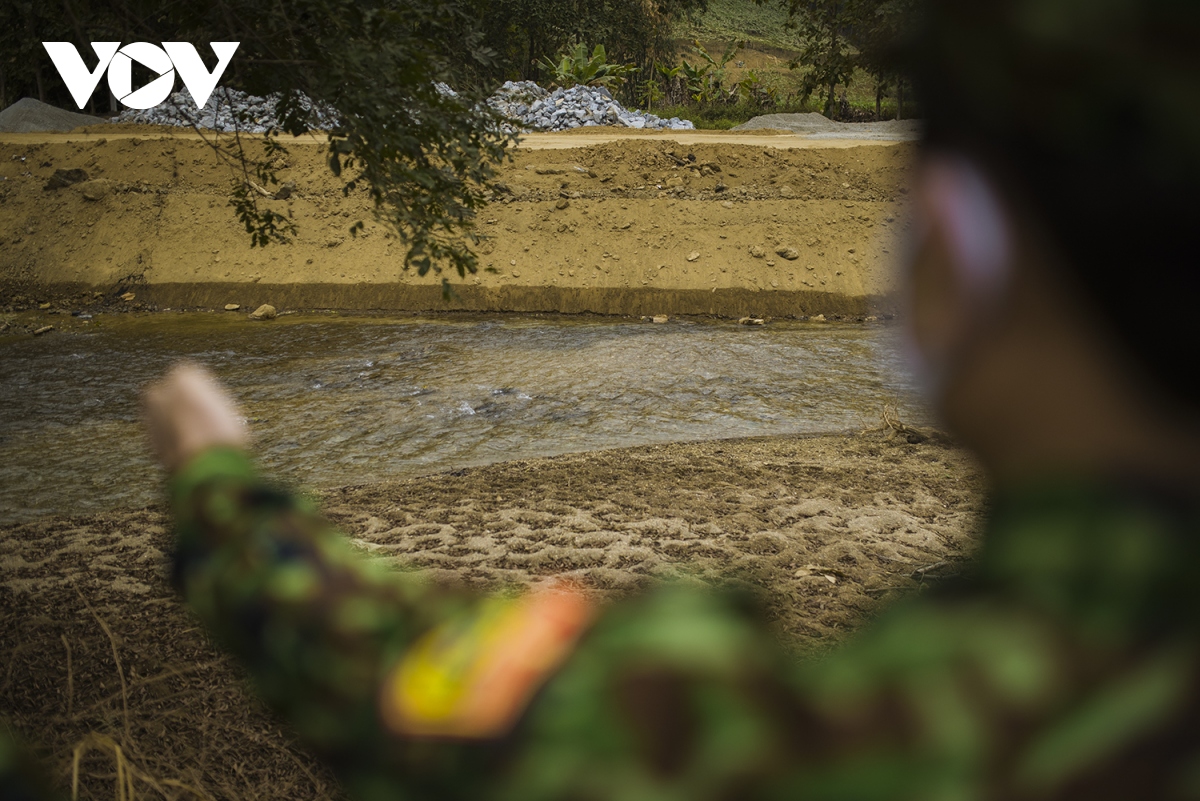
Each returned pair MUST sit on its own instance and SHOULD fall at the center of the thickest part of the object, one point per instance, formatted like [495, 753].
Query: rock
[96, 189]
[659, 318]
[757, 251]
[128, 296]
[45, 329]
[264, 312]
[232, 306]
[43, 306]
[789, 253]
[786, 191]
[676, 181]
[562, 204]
[817, 318]
[64, 178]
[693, 255]
[752, 321]
[285, 190]
[726, 204]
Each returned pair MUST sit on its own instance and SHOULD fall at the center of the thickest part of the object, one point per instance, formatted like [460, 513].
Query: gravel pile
[226, 110]
[31, 116]
[581, 106]
[527, 105]
[815, 126]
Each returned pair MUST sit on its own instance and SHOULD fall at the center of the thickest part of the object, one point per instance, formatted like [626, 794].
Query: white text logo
[119, 60]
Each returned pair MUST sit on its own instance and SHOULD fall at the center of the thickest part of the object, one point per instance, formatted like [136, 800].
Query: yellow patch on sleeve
[473, 676]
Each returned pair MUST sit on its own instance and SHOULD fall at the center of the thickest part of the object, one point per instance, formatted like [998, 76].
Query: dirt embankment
[724, 224]
[825, 528]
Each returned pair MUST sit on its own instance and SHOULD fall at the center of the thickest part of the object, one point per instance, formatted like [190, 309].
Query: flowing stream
[346, 400]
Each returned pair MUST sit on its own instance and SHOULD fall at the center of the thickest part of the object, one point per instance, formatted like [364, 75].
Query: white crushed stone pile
[527, 105]
[226, 110]
[537, 109]
[31, 116]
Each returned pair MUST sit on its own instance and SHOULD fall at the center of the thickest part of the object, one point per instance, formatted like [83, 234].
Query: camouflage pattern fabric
[1067, 666]
[21, 777]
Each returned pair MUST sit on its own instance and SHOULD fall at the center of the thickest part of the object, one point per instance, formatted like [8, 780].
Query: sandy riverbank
[826, 528]
[687, 224]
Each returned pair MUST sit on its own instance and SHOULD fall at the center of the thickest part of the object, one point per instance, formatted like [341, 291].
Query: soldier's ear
[955, 197]
[960, 265]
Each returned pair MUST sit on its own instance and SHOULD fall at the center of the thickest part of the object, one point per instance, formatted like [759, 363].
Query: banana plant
[577, 69]
[704, 79]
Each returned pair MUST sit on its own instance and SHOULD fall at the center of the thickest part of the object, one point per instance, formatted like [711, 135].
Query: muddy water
[337, 401]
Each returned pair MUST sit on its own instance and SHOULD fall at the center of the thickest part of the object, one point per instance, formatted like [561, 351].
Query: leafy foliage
[576, 69]
[524, 33]
[425, 156]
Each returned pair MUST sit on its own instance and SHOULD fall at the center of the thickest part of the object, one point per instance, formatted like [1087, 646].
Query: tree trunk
[900, 99]
[833, 43]
[531, 66]
[41, 87]
[3, 90]
[878, 100]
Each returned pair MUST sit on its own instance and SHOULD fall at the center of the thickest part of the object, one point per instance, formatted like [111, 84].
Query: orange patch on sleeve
[472, 677]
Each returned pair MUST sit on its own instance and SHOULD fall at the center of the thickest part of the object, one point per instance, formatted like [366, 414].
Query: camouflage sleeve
[315, 623]
[21, 776]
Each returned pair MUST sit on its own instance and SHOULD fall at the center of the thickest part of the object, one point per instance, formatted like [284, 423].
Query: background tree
[825, 49]
[878, 27]
[839, 36]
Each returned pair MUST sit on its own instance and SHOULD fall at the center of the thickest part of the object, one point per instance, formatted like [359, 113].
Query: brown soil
[629, 241]
[98, 650]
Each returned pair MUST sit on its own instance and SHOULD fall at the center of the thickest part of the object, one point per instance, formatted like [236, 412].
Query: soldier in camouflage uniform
[1067, 666]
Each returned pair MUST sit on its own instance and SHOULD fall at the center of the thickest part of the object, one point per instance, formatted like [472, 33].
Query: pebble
[659, 318]
[264, 312]
[96, 189]
[757, 251]
[45, 329]
[232, 306]
[789, 253]
[693, 255]
[752, 321]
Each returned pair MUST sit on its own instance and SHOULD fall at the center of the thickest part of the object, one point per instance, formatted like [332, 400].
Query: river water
[346, 400]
